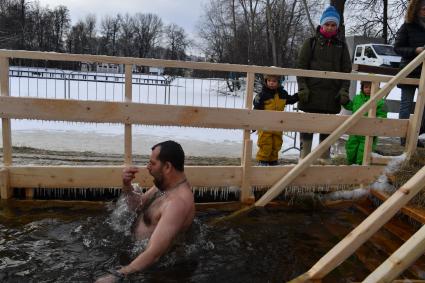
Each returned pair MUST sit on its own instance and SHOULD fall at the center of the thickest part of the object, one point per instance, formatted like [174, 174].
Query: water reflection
[55, 243]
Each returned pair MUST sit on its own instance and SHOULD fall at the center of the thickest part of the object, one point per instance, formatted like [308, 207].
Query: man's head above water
[166, 160]
[171, 151]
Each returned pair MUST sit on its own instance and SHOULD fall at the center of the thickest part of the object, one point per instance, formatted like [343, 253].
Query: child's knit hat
[330, 15]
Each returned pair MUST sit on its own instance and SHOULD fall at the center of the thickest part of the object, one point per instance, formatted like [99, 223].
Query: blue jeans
[406, 104]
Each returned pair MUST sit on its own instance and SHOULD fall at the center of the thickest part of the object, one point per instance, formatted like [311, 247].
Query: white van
[376, 55]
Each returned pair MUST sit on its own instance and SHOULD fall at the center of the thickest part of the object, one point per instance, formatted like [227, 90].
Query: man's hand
[128, 174]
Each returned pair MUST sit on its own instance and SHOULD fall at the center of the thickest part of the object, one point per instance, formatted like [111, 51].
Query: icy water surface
[45, 242]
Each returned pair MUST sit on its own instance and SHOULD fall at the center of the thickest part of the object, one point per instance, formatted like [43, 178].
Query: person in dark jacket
[410, 41]
[272, 97]
[323, 52]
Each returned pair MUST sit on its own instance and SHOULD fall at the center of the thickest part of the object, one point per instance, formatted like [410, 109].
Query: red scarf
[328, 34]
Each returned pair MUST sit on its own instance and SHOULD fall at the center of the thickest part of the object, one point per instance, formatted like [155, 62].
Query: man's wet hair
[172, 152]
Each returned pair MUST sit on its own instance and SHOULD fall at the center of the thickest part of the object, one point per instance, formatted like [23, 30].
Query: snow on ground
[108, 138]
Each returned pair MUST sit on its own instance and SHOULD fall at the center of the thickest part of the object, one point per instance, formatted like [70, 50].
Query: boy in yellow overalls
[272, 97]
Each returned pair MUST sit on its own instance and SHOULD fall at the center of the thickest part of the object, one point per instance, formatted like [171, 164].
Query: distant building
[109, 68]
[159, 71]
[87, 67]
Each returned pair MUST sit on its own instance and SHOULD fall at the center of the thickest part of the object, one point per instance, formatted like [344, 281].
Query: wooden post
[308, 160]
[6, 128]
[369, 139]
[246, 160]
[5, 190]
[250, 78]
[416, 120]
[246, 193]
[347, 246]
[400, 260]
[128, 160]
[29, 193]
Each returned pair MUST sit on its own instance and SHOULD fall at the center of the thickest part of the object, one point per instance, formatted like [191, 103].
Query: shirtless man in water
[164, 210]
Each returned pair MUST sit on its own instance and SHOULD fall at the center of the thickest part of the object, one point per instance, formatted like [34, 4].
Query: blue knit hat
[330, 15]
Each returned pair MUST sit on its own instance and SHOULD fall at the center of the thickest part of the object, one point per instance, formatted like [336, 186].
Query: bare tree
[307, 11]
[377, 18]
[126, 36]
[264, 32]
[176, 42]
[147, 28]
[109, 30]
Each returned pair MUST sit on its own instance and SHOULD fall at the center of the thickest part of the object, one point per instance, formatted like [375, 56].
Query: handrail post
[6, 128]
[128, 160]
[246, 163]
[416, 120]
[369, 139]
[5, 192]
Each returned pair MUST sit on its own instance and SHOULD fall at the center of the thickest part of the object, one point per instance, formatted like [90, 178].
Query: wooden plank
[398, 228]
[369, 139]
[195, 65]
[6, 127]
[400, 260]
[29, 193]
[314, 175]
[110, 176]
[389, 244]
[250, 80]
[381, 160]
[246, 195]
[192, 116]
[416, 120]
[128, 149]
[5, 189]
[367, 228]
[415, 213]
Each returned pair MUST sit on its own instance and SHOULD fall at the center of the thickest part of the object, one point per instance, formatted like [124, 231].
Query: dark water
[64, 243]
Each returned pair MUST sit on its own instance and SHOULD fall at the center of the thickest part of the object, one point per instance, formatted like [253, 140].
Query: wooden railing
[129, 113]
[244, 176]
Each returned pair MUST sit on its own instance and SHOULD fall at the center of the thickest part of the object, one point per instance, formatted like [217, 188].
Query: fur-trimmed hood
[412, 10]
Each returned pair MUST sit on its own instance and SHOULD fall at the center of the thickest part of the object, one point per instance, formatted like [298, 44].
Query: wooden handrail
[190, 116]
[37, 55]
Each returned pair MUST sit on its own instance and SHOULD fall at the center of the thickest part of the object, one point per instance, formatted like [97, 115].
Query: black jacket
[265, 100]
[408, 38]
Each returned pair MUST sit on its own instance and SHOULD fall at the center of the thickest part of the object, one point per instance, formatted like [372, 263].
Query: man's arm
[170, 224]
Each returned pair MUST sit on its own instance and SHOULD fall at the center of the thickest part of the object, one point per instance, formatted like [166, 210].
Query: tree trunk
[271, 32]
[312, 27]
[339, 6]
[385, 22]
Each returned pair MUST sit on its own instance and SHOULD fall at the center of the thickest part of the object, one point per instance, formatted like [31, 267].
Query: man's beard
[159, 182]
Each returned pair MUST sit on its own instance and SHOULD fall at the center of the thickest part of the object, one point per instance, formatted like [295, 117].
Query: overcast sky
[184, 13]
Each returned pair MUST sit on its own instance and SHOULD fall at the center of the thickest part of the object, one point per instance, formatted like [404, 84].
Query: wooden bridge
[244, 176]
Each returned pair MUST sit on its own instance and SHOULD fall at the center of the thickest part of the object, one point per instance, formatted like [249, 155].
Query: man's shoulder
[181, 199]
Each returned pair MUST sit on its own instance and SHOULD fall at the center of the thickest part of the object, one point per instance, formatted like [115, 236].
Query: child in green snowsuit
[355, 144]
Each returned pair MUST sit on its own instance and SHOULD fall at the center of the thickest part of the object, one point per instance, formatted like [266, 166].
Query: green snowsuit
[355, 144]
